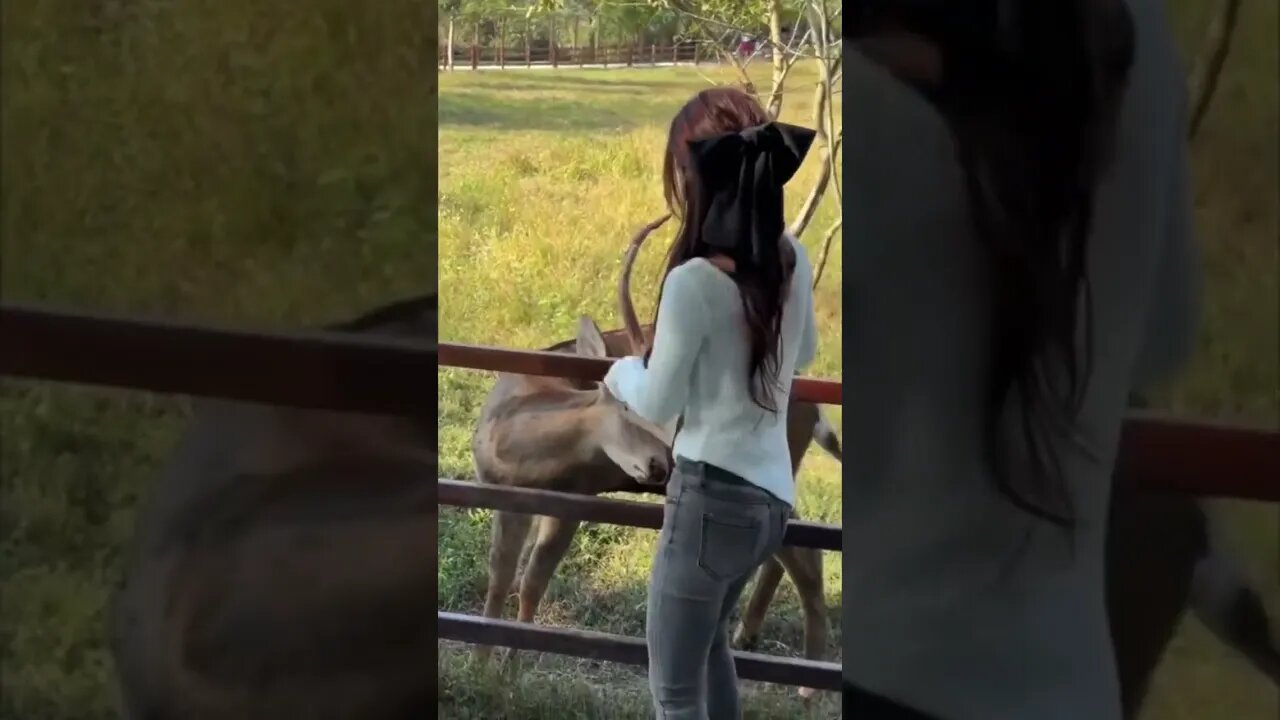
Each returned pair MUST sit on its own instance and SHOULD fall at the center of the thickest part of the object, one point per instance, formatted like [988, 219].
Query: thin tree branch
[829, 66]
[826, 250]
[780, 65]
[743, 76]
[821, 97]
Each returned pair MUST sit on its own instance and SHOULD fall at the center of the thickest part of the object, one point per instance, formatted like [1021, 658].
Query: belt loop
[691, 469]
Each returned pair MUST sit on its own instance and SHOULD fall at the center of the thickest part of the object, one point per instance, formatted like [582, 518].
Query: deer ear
[590, 339]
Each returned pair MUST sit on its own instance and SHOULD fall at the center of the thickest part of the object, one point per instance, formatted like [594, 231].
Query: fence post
[653, 53]
[630, 53]
[502, 44]
[675, 53]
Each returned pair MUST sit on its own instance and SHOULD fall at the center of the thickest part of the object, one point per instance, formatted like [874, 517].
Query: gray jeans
[717, 529]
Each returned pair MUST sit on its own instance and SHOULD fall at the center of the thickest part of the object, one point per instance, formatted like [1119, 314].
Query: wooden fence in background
[364, 374]
[526, 56]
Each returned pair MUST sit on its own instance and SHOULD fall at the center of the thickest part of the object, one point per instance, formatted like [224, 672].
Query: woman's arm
[658, 392]
[803, 278]
[1173, 307]
[808, 339]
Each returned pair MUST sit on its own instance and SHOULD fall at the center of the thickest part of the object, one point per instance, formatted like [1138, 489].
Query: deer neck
[543, 437]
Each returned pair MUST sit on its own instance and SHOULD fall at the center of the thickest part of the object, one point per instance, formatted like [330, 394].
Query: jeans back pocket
[729, 546]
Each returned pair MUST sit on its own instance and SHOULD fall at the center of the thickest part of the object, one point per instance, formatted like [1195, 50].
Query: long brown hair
[1031, 91]
[764, 288]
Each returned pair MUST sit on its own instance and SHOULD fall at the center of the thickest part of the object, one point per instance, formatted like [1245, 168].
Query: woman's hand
[619, 373]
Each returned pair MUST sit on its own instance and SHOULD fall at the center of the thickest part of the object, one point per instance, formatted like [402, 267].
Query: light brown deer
[573, 436]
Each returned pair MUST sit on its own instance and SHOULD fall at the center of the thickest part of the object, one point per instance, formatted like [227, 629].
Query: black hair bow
[741, 175]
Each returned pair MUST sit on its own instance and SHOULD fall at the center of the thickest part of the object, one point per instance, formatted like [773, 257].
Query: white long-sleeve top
[956, 602]
[699, 369]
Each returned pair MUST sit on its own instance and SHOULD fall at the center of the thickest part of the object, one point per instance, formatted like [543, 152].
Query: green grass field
[269, 163]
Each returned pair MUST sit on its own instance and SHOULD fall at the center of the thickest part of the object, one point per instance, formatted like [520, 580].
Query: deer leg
[554, 536]
[804, 565]
[767, 580]
[505, 545]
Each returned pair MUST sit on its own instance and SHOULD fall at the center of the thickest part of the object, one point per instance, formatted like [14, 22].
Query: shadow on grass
[630, 79]
[538, 102]
[482, 110]
[584, 594]
[556, 687]
[551, 686]
[619, 91]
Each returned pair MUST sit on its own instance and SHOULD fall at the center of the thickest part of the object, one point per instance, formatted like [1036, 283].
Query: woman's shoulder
[802, 255]
[699, 278]
[690, 277]
[803, 268]
[691, 272]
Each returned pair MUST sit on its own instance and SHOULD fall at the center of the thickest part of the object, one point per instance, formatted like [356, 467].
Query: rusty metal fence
[338, 371]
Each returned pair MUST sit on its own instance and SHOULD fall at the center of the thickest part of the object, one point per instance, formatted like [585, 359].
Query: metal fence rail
[345, 372]
[554, 364]
[622, 649]
[299, 369]
[630, 513]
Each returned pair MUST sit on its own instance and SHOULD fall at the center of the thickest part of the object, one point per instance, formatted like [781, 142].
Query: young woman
[1018, 258]
[734, 324]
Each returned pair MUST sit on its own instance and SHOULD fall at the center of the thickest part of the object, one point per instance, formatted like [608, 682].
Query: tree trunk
[821, 141]
[828, 137]
[448, 43]
[475, 46]
[774, 104]
[595, 52]
[551, 41]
